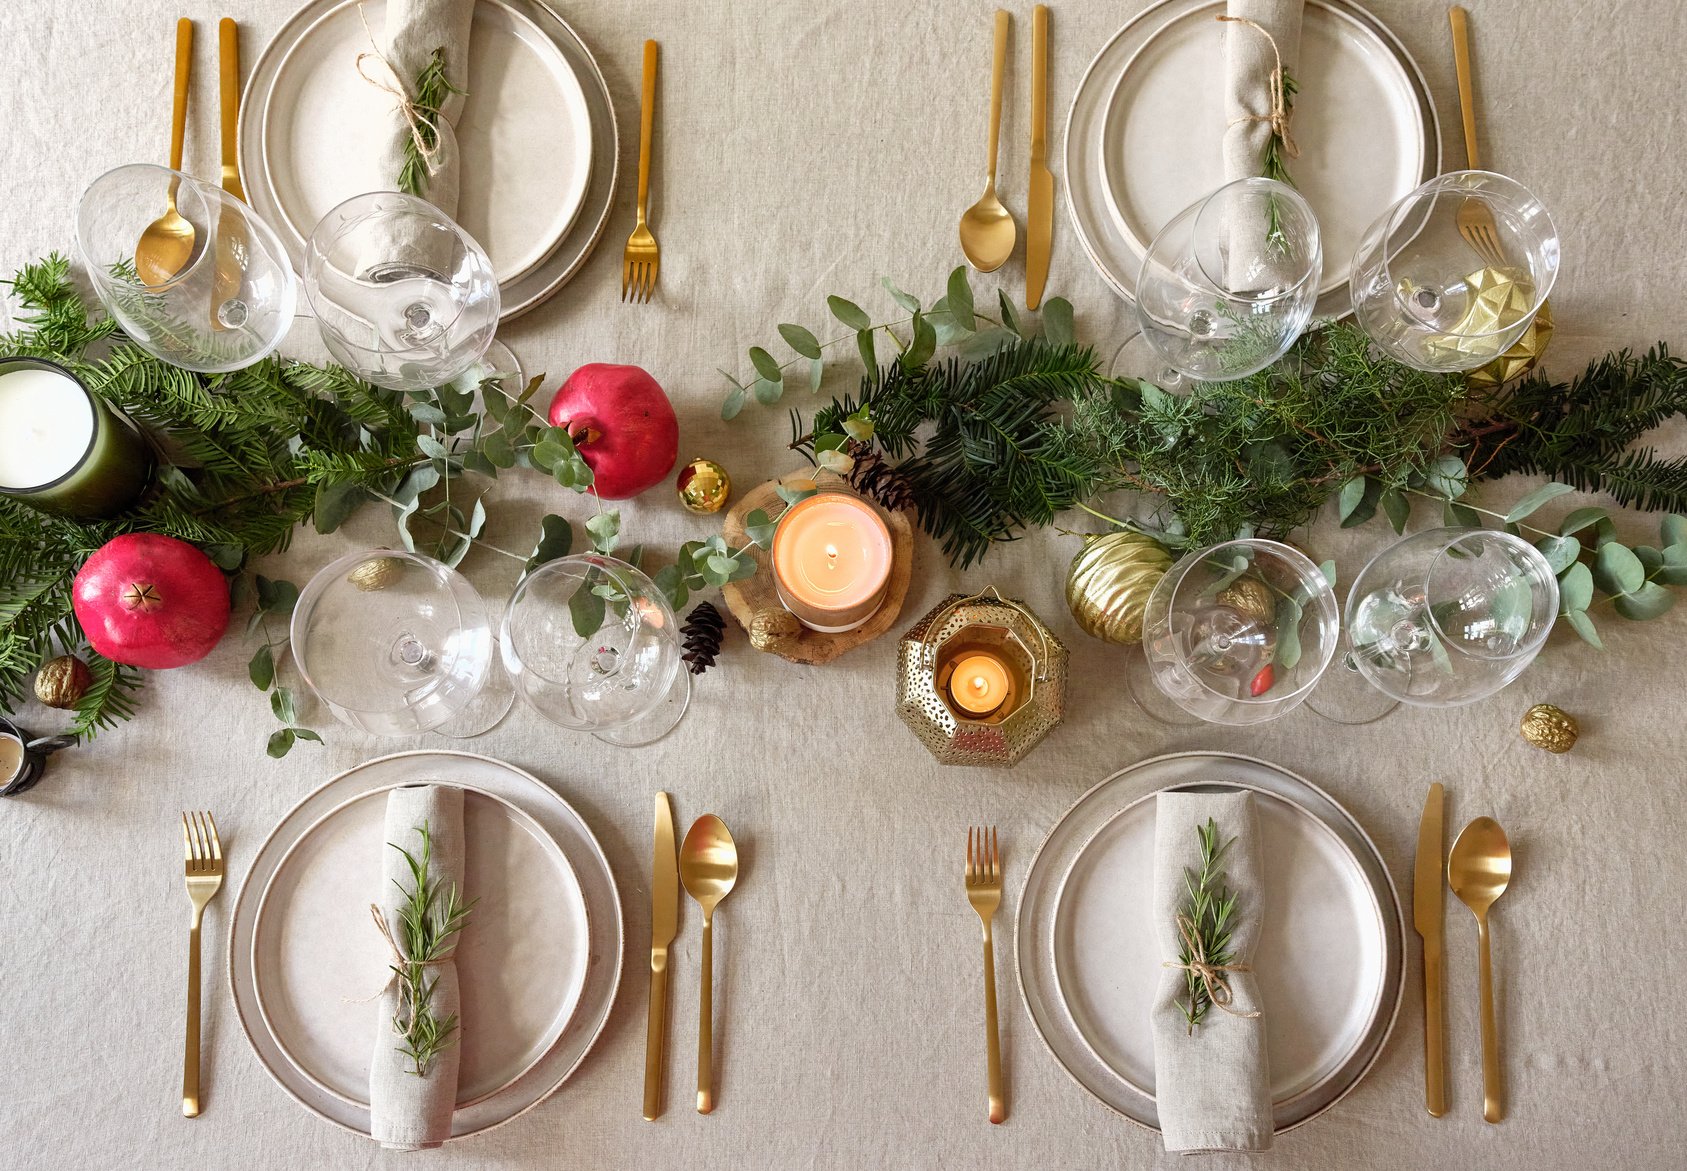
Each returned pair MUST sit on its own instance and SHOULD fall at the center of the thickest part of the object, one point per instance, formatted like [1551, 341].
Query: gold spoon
[166, 245]
[708, 866]
[1478, 870]
[987, 230]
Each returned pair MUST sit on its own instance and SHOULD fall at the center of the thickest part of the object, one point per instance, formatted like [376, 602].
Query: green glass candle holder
[63, 449]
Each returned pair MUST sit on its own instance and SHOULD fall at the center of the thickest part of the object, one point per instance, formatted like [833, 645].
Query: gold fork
[204, 879]
[1475, 222]
[642, 261]
[984, 892]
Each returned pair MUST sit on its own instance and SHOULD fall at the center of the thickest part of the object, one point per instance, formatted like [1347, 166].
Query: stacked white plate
[539, 962]
[1143, 138]
[1330, 963]
[538, 136]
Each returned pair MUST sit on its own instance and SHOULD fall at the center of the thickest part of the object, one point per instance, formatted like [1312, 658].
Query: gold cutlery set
[988, 233]
[204, 852]
[984, 892]
[1478, 869]
[706, 863]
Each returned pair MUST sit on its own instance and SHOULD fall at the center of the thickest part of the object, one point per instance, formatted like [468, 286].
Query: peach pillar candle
[831, 561]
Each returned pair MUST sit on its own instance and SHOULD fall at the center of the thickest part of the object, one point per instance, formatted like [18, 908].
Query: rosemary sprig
[432, 88]
[429, 923]
[1209, 913]
[1275, 165]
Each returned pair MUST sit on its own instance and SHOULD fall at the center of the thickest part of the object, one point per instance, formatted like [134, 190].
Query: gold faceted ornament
[1029, 665]
[1549, 727]
[1250, 597]
[1108, 585]
[62, 682]
[773, 628]
[1520, 358]
[377, 573]
[704, 486]
[1496, 300]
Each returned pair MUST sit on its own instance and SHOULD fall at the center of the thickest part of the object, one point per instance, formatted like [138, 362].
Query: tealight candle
[831, 561]
[22, 759]
[979, 684]
[63, 450]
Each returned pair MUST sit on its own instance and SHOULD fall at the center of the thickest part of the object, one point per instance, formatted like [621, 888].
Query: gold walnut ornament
[377, 573]
[704, 486]
[61, 682]
[1549, 727]
[1250, 597]
[1108, 585]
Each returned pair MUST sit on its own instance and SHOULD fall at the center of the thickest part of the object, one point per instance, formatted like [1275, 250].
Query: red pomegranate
[150, 601]
[623, 426]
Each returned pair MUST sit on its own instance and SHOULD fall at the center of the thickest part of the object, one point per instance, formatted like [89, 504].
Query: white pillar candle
[46, 427]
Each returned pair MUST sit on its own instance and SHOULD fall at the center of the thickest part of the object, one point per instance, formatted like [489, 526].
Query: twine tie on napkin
[1212, 976]
[1278, 118]
[422, 124]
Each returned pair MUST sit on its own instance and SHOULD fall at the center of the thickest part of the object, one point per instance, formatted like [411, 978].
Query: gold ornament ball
[61, 682]
[1520, 358]
[1250, 597]
[1549, 727]
[377, 573]
[704, 486]
[1109, 582]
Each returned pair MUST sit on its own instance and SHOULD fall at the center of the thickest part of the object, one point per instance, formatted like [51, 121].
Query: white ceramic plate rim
[1418, 145]
[535, 288]
[1078, 177]
[1395, 940]
[571, 198]
[1371, 1009]
[615, 948]
[560, 1023]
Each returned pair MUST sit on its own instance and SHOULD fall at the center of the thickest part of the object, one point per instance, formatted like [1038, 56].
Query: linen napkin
[414, 29]
[1249, 62]
[407, 1112]
[1212, 1087]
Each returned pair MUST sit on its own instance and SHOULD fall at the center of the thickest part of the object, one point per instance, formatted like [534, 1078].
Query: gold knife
[1427, 918]
[664, 923]
[228, 68]
[1039, 216]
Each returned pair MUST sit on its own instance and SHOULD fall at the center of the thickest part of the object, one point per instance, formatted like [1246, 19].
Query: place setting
[1326, 326]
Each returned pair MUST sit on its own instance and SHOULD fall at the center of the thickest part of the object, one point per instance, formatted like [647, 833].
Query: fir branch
[433, 87]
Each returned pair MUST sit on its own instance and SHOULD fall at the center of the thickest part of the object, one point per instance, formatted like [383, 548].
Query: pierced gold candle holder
[981, 680]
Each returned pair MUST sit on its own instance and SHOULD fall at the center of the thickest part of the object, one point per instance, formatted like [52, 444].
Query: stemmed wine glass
[1231, 282]
[593, 645]
[228, 306]
[404, 297]
[1239, 633]
[1451, 275]
[393, 642]
[1450, 616]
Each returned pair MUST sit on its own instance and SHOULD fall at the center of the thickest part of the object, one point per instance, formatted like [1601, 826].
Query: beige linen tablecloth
[808, 149]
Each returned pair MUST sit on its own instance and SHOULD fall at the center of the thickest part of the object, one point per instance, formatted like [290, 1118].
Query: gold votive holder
[981, 680]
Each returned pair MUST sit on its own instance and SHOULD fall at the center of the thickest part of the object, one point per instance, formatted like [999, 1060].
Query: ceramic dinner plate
[521, 960]
[312, 857]
[1330, 962]
[1143, 140]
[538, 135]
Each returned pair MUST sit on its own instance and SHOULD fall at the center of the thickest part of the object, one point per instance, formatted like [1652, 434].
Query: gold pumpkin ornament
[1549, 727]
[1520, 358]
[1108, 585]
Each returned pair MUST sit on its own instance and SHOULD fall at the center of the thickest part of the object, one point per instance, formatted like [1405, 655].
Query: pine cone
[874, 478]
[702, 630]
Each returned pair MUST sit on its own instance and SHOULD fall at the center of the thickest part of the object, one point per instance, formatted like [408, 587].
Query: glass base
[658, 721]
[1149, 699]
[1345, 696]
[1137, 358]
[499, 361]
[486, 710]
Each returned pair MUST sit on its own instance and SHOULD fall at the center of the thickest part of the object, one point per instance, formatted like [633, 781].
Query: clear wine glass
[227, 307]
[1450, 616]
[1450, 277]
[404, 297]
[392, 642]
[1239, 633]
[1231, 282]
[593, 645]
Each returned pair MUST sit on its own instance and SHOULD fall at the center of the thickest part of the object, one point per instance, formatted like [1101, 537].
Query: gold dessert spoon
[1478, 870]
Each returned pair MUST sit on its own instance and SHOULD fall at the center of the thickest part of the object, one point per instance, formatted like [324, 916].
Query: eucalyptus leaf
[1646, 603]
[605, 530]
[1560, 552]
[1288, 633]
[281, 703]
[858, 427]
[834, 461]
[984, 343]
[800, 340]
[1367, 506]
[732, 404]
[1010, 317]
[1348, 498]
[430, 446]
[261, 670]
[1460, 516]
[1447, 477]
[306, 734]
[959, 297]
[796, 490]
[767, 365]
[767, 392]
[498, 449]
[670, 582]
[427, 414]
[1575, 589]
[1617, 571]
[816, 371]
[556, 538]
[1580, 519]
[586, 610]
[922, 346]
[1534, 500]
[1674, 569]
[864, 346]
[1583, 625]
[1058, 327]
[722, 565]
[280, 743]
[759, 527]
[910, 304]
[1673, 530]
[1328, 569]
[1397, 507]
[849, 313]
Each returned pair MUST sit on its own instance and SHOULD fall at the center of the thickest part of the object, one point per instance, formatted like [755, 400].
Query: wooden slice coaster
[782, 634]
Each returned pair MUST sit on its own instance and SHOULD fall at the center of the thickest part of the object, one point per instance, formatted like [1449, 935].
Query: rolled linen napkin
[413, 30]
[1260, 37]
[408, 1112]
[1212, 1086]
